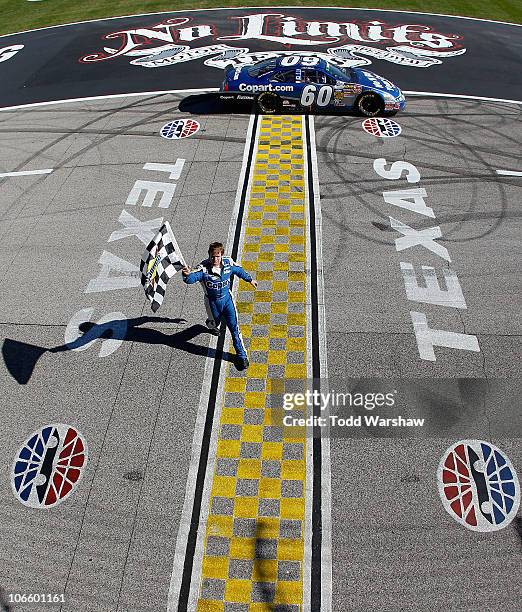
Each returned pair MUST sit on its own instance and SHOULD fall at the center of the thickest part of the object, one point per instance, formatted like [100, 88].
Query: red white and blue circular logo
[478, 485]
[181, 128]
[49, 466]
[381, 127]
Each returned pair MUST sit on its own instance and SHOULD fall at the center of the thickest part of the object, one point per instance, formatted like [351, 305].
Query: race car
[309, 83]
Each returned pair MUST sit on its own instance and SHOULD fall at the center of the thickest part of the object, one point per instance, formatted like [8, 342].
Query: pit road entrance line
[254, 542]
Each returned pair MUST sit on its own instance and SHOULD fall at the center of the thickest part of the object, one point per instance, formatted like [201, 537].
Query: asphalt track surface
[111, 545]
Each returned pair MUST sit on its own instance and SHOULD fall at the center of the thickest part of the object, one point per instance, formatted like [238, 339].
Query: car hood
[375, 81]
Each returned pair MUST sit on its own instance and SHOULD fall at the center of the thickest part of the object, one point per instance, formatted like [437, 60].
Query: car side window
[340, 75]
[309, 76]
[287, 76]
[325, 79]
[262, 68]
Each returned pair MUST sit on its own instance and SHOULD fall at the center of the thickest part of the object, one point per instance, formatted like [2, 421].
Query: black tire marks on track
[328, 145]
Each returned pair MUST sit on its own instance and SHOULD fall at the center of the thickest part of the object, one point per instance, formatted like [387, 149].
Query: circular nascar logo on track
[379, 126]
[49, 466]
[181, 128]
[478, 485]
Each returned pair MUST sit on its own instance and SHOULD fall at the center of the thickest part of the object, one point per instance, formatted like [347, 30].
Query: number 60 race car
[308, 83]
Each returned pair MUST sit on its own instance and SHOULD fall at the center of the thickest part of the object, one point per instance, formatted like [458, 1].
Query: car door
[283, 83]
[346, 90]
[318, 89]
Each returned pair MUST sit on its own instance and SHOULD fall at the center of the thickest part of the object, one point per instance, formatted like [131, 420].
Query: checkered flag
[160, 261]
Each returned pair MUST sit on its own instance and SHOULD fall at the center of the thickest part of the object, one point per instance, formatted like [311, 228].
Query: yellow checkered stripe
[254, 545]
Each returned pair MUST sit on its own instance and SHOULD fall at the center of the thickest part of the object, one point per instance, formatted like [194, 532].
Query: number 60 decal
[321, 96]
[292, 60]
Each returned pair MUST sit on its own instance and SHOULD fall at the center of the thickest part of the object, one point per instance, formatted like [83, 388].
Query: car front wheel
[269, 103]
[370, 104]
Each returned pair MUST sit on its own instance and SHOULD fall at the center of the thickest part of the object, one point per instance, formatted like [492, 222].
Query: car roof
[278, 63]
[320, 64]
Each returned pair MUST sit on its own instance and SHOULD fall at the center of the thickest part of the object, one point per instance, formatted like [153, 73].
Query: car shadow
[21, 358]
[212, 104]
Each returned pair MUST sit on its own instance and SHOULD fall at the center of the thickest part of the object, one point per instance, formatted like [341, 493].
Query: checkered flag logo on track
[160, 261]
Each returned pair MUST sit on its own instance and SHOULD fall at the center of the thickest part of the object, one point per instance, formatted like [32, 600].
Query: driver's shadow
[21, 358]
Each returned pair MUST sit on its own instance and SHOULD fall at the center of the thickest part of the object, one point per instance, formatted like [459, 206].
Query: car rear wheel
[269, 103]
[370, 104]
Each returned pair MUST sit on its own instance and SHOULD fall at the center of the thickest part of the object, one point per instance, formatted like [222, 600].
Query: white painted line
[26, 172]
[235, 8]
[186, 516]
[122, 95]
[309, 462]
[446, 95]
[509, 173]
[211, 89]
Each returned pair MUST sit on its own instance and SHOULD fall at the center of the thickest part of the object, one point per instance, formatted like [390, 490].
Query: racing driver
[215, 273]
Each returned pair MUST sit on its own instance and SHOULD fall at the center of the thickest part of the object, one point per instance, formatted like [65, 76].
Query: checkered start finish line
[255, 537]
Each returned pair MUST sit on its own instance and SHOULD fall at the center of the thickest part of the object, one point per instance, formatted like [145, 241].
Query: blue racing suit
[220, 301]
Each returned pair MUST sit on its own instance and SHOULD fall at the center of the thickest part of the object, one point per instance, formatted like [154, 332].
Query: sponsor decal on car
[236, 96]
[390, 106]
[378, 81]
[352, 88]
[268, 87]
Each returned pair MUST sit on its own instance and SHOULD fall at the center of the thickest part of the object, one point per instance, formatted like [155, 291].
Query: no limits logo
[478, 485]
[162, 44]
[49, 466]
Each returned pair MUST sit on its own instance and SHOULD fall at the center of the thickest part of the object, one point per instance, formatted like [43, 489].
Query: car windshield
[262, 68]
[337, 73]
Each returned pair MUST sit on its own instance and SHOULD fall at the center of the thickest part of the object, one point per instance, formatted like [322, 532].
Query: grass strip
[20, 15]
